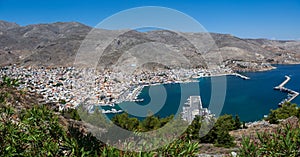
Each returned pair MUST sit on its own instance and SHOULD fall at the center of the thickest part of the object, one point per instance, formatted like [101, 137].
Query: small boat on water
[111, 111]
[138, 100]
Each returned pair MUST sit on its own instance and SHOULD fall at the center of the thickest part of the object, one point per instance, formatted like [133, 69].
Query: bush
[178, 147]
[218, 133]
[151, 122]
[9, 82]
[283, 142]
[287, 110]
[71, 114]
[36, 134]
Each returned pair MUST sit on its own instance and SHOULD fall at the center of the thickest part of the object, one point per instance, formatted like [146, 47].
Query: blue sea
[250, 99]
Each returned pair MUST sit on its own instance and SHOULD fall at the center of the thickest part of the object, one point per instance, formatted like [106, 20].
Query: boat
[138, 100]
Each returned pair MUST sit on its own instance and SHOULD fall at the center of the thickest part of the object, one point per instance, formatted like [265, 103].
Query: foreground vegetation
[287, 110]
[38, 131]
[284, 141]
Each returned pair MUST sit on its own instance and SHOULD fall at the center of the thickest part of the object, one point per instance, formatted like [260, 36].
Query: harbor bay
[250, 95]
[150, 78]
[251, 99]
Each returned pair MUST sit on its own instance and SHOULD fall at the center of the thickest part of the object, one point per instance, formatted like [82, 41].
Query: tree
[71, 114]
[285, 111]
[150, 123]
[272, 117]
[224, 139]
[194, 128]
[244, 125]
[124, 121]
[219, 134]
[74, 114]
[237, 122]
[226, 121]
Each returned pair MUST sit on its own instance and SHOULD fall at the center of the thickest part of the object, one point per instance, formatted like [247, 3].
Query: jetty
[283, 83]
[241, 76]
[193, 108]
[291, 93]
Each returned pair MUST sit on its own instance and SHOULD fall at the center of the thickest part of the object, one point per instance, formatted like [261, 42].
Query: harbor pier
[283, 83]
[291, 93]
[193, 108]
[241, 76]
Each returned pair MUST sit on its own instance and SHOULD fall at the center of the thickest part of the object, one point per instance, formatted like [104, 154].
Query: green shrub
[38, 133]
[213, 130]
[9, 82]
[285, 111]
[284, 142]
[71, 114]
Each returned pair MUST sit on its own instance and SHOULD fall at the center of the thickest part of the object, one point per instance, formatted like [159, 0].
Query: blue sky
[273, 19]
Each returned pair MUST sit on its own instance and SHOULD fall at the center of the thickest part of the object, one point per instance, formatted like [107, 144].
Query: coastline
[139, 88]
[240, 106]
[108, 91]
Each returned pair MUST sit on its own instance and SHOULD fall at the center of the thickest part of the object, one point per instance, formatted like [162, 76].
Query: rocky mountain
[45, 44]
[7, 25]
[57, 44]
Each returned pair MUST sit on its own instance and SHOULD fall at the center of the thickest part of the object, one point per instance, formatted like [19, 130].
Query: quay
[241, 76]
[291, 93]
[193, 108]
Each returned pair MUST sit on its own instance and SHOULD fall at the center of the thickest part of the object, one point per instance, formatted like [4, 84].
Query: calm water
[250, 99]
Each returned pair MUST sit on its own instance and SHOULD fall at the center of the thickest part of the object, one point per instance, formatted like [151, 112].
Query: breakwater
[291, 93]
[241, 76]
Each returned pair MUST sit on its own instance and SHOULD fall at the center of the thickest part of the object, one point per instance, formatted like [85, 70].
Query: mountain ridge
[56, 44]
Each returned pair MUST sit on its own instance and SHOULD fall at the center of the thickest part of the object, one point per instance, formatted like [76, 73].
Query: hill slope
[56, 44]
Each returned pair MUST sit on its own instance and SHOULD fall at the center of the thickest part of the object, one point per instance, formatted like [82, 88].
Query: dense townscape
[70, 86]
